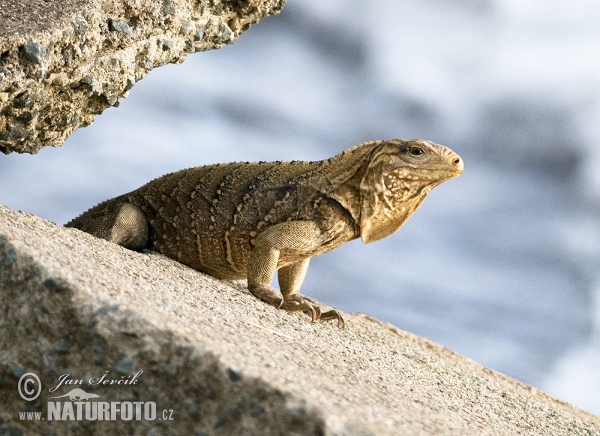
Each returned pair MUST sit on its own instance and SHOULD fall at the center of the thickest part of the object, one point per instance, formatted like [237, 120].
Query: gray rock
[187, 27]
[48, 47]
[120, 26]
[168, 8]
[224, 362]
[166, 44]
[226, 33]
[199, 35]
[35, 53]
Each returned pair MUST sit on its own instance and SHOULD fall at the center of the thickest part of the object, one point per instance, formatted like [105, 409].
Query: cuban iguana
[249, 220]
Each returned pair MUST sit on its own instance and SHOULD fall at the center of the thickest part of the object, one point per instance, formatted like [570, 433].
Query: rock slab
[219, 361]
[62, 62]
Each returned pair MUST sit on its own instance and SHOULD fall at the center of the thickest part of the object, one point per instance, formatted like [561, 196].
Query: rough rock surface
[62, 62]
[224, 362]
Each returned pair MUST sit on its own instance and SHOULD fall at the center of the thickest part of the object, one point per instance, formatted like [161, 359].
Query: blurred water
[500, 264]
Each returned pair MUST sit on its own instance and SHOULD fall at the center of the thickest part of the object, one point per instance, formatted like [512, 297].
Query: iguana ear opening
[372, 200]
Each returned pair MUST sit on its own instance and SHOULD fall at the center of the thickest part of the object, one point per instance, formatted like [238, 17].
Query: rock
[187, 27]
[218, 361]
[47, 48]
[120, 26]
[35, 53]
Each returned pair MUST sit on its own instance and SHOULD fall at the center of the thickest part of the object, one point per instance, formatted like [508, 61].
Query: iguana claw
[333, 314]
[295, 303]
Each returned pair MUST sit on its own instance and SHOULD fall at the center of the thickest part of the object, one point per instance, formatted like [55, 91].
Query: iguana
[249, 220]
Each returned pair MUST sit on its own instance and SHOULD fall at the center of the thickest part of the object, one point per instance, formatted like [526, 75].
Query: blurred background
[500, 265]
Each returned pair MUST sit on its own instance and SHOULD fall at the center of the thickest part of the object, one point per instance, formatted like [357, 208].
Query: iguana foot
[295, 302]
[332, 314]
[266, 294]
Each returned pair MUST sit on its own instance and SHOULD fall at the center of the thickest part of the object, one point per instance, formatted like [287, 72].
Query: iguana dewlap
[248, 220]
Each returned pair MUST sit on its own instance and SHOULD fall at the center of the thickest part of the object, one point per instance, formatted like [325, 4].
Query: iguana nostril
[456, 161]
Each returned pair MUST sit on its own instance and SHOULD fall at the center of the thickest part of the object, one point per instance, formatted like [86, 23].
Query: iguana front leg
[296, 239]
[290, 279]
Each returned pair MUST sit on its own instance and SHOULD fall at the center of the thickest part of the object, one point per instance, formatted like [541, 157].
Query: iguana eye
[416, 151]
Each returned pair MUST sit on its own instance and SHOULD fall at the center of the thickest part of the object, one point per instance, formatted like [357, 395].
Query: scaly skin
[249, 220]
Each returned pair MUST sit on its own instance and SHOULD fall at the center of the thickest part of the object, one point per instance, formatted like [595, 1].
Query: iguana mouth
[451, 170]
[434, 174]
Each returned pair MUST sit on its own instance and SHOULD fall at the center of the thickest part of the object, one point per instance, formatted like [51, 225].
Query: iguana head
[398, 177]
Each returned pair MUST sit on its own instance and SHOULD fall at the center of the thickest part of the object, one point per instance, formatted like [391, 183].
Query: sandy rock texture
[223, 362]
[62, 62]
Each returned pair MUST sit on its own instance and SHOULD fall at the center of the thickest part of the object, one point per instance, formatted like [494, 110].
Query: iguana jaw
[425, 175]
